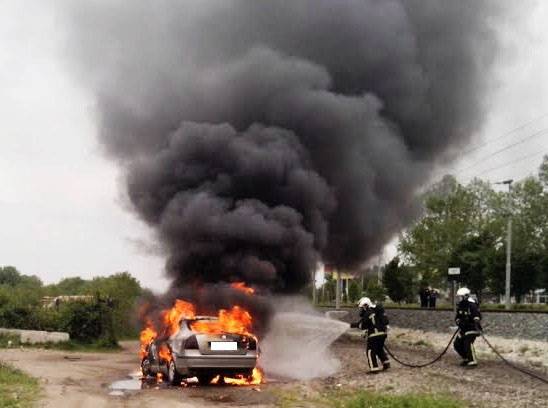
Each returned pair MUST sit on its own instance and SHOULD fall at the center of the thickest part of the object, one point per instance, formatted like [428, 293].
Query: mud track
[83, 379]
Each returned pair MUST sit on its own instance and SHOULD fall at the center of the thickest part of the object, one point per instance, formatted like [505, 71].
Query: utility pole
[508, 246]
[379, 269]
[314, 291]
[338, 291]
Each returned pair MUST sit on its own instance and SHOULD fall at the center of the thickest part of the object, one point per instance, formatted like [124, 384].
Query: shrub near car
[191, 353]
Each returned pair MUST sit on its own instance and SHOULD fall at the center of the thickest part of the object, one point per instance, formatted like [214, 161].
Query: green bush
[19, 317]
[88, 322]
[399, 281]
[9, 340]
[21, 306]
[85, 322]
[354, 292]
[375, 292]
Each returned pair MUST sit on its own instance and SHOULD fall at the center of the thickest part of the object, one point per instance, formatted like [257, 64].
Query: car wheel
[204, 379]
[145, 367]
[173, 376]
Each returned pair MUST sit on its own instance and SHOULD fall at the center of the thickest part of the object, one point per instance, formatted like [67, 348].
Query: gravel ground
[84, 379]
[530, 352]
[492, 384]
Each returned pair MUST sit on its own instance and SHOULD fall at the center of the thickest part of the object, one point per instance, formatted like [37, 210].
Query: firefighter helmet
[365, 301]
[463, 292]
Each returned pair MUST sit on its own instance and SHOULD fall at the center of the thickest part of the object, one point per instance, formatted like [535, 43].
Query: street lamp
[508, 245]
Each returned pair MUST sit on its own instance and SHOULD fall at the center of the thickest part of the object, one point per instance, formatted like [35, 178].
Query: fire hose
[511, 365]
[507, 362]
[410, 365]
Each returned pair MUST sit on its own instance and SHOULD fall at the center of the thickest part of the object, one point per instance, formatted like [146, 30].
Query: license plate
[224, 346]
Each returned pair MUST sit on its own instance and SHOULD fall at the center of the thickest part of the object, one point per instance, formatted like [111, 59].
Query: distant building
[49, 302]
[345, 277]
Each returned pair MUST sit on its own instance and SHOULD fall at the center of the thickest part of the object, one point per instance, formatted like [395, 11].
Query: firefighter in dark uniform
[373, 319]
[468, 319]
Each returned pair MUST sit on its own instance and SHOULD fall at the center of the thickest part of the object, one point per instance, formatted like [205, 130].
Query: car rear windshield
[189, 322]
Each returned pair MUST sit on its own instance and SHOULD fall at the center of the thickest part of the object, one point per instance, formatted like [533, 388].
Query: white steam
[298, 343]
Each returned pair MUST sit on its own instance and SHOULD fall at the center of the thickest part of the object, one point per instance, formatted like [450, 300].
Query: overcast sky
[61, 213]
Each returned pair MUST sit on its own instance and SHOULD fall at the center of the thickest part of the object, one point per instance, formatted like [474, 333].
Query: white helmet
[365, 301]
[463, 292]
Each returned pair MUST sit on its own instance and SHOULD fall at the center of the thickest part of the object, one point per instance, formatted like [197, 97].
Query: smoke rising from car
[257, 137]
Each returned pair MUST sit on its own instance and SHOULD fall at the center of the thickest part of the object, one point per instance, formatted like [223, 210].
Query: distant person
[432, 299]
[468, 319]
[373, 319]
[425, 297]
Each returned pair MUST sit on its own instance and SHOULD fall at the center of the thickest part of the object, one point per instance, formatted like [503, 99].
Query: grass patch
[11, 341]
[288, 398]
[364, 399]
[17, 390]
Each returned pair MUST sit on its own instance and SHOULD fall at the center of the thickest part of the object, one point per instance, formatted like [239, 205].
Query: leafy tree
[452, 213]
[375, 291]
[68, 286]
[122, 291]
[543, 172]
[117, 296]
[354, 291]
[398, 281]
[526, 273]
[529, 213]
[466, 226]
[88, 322]
[10, 276]
[474, 257]
[329, 289]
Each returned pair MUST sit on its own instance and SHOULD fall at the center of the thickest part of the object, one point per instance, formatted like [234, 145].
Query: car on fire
[190, 352]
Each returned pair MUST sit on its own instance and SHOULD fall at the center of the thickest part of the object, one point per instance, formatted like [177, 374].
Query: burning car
[211, 348]
[191, 353]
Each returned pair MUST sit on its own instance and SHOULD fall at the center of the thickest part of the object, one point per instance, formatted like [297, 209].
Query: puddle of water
[126, 385]
[116, 393]
[132, 383]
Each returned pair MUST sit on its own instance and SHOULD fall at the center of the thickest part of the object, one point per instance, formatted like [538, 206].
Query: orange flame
[172, 317]
[147, 335]
[164, 353]
[242, 287]
[256, 378]
[236, 320]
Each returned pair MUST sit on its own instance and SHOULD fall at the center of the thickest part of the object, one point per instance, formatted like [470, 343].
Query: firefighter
[468, 319]
[373, 319]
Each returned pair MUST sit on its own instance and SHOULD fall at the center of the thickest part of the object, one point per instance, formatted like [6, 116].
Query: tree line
[466, 226]
[109, 315]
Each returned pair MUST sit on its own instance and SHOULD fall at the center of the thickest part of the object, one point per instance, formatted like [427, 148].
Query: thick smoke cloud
[260, 136]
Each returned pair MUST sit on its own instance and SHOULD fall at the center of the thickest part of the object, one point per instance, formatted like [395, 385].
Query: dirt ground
[84, 379]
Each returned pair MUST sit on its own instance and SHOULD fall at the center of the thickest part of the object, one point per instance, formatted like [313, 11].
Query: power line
[508, 133]
[482, 160]
[509, 163]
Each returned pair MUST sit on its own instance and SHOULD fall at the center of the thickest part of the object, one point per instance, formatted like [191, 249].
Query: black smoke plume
[258, 137]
